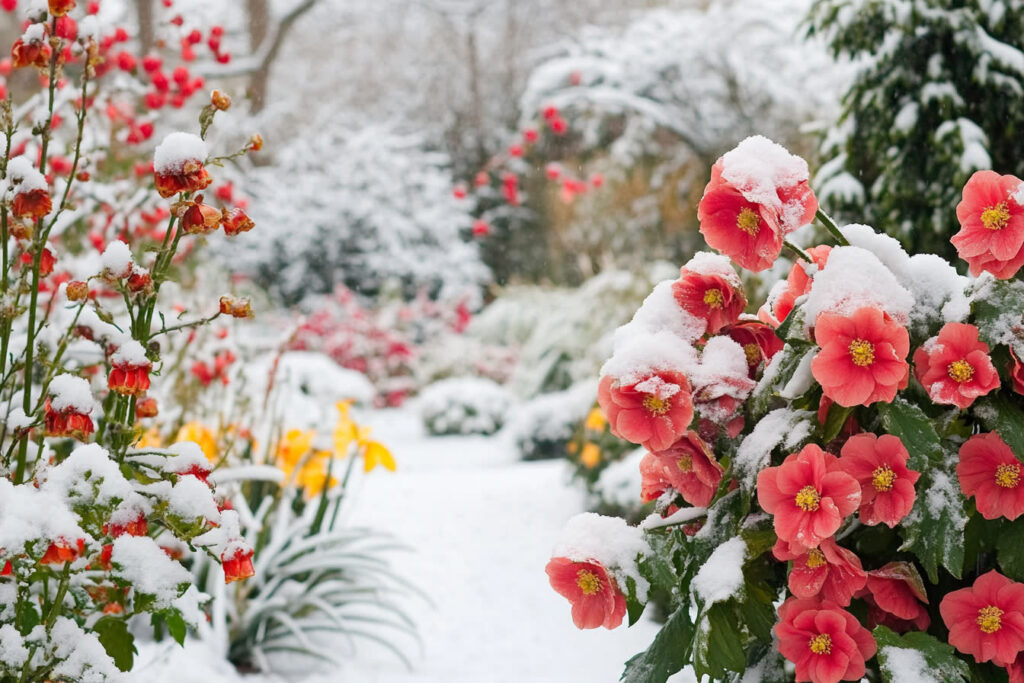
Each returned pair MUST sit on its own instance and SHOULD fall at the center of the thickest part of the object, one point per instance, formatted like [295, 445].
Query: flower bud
[220, 101]
[235, 307]
[77, 291]
[147, 407]
[235, 221]
[256, 142]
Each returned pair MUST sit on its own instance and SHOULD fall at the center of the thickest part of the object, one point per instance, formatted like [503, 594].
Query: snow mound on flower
[856, 278]
[29, 514]
[150, 571]
[660, 312]
[89, 476]
[68, 392]
[608, 541]
[721, 577]
[130, 353]
[888, 249]
[117, 259]
[24, 177]
[639, 355]
[758, 167]
[177, 149]
[464, 405]
[710, 263]
[781, 426]
[906, 664]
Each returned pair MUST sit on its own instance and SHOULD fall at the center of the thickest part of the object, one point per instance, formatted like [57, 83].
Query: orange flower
[235, 221]
[199, 218]
[129, 379]
[59, 8]
[68, 423]
[61, 551]
[237, 564]
[34, 204]
[31, 53]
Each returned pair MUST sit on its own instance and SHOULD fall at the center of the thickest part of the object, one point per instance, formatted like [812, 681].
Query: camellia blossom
[954, 367]
[716, 299]
[595, 597]
[34, 204]
[692, 469]
[653, 412]
[829, 571]
[1017, 373]
[879, 464]
[990, 473]
[758, 340]
[809, 495]
[746, 232]
[862, 358]
[654, 478]
[798, 283]
[991, 236]
[825, 642]
[897, 589]
[987, 619]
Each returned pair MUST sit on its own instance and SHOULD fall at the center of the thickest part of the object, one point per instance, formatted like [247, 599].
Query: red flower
[990, 473]
[59, 8]
[692, 469]
[595, 597]
[137, 526]
[33, 53]
[809, 495]
[829, 571]
[68, 423]
[235, 221]
[955, 366]
[758, 340]
[879, 464]
[987, 619]
[654, 479]
[34, 204]
[897, 589]
[237, 565]
[798, 283]
[862, 358]
[146, 407]
[61, 551]
[129, 379]
[199, 218]
[191, 177]
[653, 412]
[716, 298]
[826, 643]
[1017, 373]
[991, 236]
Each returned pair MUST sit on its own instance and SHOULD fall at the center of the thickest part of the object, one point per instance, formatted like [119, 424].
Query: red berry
[120, 35]
[515, 150]
[92, 8]
[559, 126]
[151, 63]
[180, 75]
[480, 228]
[126, 61]
[9, 5]
[550, 112]
[459, 191]
[177, 100]
[224, 57]
[217, 31]
[195, 37]
[188, 54]
[177, 20]
[155, 100]
[160, 81]
[530, 135]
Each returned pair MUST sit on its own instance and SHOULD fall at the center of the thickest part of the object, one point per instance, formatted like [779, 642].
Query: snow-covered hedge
[464, 405]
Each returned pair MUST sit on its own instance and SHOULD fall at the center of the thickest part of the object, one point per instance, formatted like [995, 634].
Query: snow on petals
[609, 541]
[709, 288]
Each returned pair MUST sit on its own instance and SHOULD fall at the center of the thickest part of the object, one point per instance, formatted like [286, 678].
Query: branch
[261, 59]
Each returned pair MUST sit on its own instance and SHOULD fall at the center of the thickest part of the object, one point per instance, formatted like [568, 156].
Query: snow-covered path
[480, 526]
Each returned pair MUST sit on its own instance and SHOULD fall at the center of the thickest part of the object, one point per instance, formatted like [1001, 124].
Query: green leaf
[938, 658]
[998, 311]
[115, 638]
[1001, 414]
[718, 642]
[914, 428]
[837, 416]
[1010, 550]
[668, 653]
[176, 626]
[26, 616]
[761, 400]
[634, 608]
[934, 530]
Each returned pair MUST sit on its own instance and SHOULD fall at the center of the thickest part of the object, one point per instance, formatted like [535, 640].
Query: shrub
[464, 405]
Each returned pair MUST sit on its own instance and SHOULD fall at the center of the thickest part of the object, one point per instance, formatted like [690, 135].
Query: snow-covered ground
[481, 526]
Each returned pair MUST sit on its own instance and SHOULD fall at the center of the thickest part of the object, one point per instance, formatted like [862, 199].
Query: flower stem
[831, 226]
[798, 251]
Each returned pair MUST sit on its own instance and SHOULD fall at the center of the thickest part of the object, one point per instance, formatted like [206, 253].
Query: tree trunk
[147, 35]
[259, 27]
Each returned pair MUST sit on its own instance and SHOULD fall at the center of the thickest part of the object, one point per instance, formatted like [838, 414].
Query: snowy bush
[464, 405]
[543, 427]
[838, 478]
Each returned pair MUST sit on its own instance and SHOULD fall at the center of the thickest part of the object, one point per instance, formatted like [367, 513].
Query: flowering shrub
[464, 405]
[837, 482]
[87, 513]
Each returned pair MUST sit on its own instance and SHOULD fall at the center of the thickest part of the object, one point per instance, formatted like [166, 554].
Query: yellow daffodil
[150, 439]
[595, 421]
[313, 475]
[346, 431]
[293, 446]
[375, 453]
[590, 456]
[202, 435]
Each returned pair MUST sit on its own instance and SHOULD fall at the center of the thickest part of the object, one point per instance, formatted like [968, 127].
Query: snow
[23, 175]
[759, 168]
[117, 259]
[710, 263]
[144, 564]
[28, 515]
[660, 312]
[721, 577]
[13, 653]
[855, 278]
[906, 664]
[802, 379]
[781, 426]
[639, 355]
[607, 540]
[88, 476]
[68, 392]
[130, 353]
[464, 405]
[80, 655]
[35, 33]
[176, 150]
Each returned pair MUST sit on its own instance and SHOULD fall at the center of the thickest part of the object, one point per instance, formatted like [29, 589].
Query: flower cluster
[826, 459]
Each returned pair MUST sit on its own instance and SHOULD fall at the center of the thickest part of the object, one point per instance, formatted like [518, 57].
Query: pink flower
[798, 283]
[955, 367]
[986, 620]
[825, 642]
[746, 232]
[653, 412]
[595, 597]
[759, 343]
[862, 358]
[879, 464]
[1017, 373]
[717, 299]
[991, 236]
[898, 590]
[829, 571]
[654, 479]
[692, 469]
[990, 473]
[809, 495]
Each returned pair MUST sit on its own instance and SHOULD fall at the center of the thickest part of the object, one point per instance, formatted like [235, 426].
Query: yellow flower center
[882, 479]
[588, 582]
[821, 644]
[990, 619]
[862, 352]
[748, 221]
[685, 463]
[1008, 476]
[815, 558]
[656, 405]
[753, 354]
[807, 499]
[960, 371]
[996, 217]
[714, 298]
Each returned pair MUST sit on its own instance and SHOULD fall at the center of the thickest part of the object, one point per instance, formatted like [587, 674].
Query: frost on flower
[34, 517]
[782, 426]
[762, 170]
[176, 150]
[139, 561]
[638, 355]
[855, 278]
[71, 393]
[117, 259]
[609, 541]
[661, 312]
[721, 577]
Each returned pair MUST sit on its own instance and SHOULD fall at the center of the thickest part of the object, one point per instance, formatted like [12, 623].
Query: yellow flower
[347, 431]
[375, 453]
[572, 447]
[595, 421]
[313, 474]
[590, 456]
[294, 444]
[198, 432]
[150, 439]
